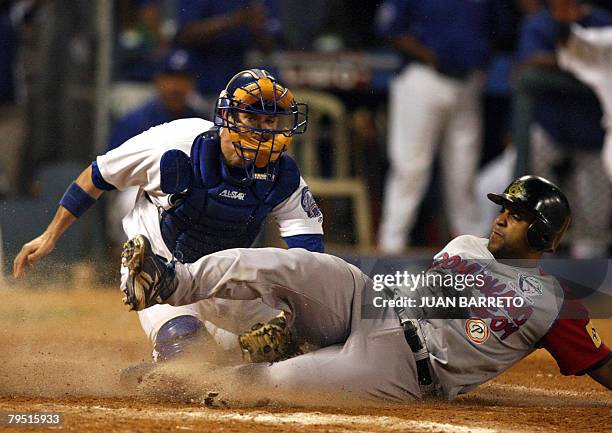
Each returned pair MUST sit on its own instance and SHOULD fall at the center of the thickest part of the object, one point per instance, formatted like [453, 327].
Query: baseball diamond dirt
[64, 348]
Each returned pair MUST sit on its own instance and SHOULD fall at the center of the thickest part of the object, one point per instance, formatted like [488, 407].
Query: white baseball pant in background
[426, 108]
[588, 54]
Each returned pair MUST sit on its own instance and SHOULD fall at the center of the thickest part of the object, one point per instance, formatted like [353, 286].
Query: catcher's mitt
[269, 342]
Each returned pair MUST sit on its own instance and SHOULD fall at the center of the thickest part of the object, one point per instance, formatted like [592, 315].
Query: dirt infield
[63, 350]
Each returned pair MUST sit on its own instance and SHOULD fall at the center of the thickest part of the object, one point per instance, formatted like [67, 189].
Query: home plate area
[65, 349]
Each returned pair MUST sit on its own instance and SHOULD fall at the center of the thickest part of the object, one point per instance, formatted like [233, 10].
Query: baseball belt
[416, 342]
[414, 338]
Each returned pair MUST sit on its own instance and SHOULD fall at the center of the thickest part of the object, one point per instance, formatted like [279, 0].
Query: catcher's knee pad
[176, 335]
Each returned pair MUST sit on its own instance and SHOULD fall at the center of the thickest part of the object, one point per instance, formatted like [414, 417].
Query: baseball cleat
[151, 280]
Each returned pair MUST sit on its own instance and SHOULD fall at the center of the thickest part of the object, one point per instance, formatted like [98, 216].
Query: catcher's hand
[32, 252]
[269, 342]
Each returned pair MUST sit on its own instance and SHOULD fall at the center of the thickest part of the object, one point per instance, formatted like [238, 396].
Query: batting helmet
[544, 201]
[257, 92]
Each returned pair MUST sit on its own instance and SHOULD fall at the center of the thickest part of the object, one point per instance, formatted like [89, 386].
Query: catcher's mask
[272, 114]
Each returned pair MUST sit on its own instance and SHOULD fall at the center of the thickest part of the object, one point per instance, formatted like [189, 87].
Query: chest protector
[218, 211]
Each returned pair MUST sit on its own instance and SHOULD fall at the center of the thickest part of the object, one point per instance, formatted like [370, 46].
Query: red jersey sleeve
[574, 342]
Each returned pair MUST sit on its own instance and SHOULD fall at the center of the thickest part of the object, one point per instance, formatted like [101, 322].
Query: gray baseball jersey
[366, 356]
[467, 352]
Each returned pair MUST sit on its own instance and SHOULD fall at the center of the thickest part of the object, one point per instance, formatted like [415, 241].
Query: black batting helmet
[545, 202]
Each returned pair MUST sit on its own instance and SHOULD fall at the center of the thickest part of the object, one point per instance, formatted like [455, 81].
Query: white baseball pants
[425, 107]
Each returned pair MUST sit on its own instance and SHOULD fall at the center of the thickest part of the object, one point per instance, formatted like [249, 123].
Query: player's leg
[544, 153]
[173, 331]
[592, 204]
[374, 366]
[218, 322]
[363, 358]
[315, 290]
[233, 316]
[415, 120]
[460, 156]
[170, 329]
[322, 295]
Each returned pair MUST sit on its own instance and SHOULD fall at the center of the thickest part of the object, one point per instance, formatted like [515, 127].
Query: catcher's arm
[41, 246]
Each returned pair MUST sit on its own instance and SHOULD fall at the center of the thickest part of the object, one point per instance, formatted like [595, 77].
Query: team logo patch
[529, 286]
[517, 190]
[477, 330]
[309, 204]
[593, 334]
[236, 195]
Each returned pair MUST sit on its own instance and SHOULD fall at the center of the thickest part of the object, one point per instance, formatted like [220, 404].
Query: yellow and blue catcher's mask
[261, 116]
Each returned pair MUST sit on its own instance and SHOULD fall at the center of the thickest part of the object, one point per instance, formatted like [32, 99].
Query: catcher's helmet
[545, 202]
[256, 91]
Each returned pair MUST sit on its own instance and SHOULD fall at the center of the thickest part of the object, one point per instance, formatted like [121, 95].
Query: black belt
[417, 347]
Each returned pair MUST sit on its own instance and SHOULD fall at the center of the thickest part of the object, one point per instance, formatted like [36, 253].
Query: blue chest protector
[219, 211]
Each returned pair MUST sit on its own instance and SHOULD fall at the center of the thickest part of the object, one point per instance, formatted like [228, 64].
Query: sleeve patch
[309, 204]
[593, 334]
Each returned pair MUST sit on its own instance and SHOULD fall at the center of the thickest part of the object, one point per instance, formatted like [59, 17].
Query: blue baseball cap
[177, 61]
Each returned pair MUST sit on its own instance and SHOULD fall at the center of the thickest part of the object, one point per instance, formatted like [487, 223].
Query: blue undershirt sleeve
[98, 180]
[312, 242]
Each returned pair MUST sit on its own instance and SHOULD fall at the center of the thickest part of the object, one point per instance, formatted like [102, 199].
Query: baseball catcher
[203, 187]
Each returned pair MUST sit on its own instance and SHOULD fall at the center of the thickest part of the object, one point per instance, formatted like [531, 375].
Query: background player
[588, 54]
[437, 95]
[376, 355]
[202, 189]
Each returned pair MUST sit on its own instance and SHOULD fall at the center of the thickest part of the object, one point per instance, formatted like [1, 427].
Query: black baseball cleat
[151, 279]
